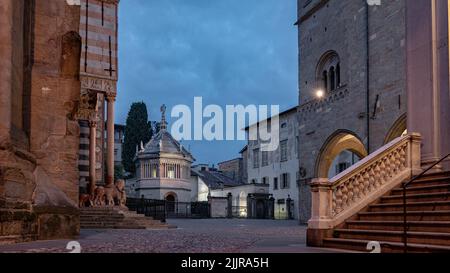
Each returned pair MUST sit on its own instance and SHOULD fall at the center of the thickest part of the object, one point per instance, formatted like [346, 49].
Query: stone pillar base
[57, 223]
[315, 237]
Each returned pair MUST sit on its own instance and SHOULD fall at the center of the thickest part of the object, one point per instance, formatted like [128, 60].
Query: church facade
[58, 80]
[352, 83]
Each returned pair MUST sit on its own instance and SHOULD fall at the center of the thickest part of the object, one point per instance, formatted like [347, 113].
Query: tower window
[329, 72]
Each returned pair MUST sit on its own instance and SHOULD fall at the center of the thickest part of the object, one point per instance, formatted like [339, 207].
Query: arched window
[328, 72]
[332, 79]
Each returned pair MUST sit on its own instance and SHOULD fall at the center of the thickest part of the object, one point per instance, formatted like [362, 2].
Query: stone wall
[341, 27]
[233, 169]
[39, 136]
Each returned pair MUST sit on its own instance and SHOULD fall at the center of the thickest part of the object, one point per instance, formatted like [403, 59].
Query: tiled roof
[163, 142]
[216, 179]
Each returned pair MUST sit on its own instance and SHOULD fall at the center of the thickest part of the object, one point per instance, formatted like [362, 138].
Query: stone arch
[328, 60]
[338, 142]
[398, 129]
[171, 197]
[70, 55]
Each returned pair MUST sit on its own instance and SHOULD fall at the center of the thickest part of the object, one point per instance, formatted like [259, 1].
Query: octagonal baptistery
[163, 169]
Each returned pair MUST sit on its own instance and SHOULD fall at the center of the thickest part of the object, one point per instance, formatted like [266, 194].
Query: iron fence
[149, 207]
[187, 209]
[162, 209]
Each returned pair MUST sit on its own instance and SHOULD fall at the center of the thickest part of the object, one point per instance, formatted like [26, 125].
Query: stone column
[428, 76]
[110, 141]
[92, 155]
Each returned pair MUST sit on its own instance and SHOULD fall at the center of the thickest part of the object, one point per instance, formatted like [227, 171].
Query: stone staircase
[117, 218]
[428, 216]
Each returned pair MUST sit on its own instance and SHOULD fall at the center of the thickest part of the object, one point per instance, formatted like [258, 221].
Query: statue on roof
[163, 117]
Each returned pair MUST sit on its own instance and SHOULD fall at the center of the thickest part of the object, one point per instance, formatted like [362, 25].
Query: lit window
[171, 172]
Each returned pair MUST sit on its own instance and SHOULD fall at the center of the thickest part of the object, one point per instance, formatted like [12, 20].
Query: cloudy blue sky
[226, 51]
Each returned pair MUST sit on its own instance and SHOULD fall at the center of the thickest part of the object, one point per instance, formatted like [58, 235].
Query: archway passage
[341, 146]
[398, 129]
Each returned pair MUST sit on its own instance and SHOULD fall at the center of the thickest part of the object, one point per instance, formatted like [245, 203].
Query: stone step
[420, 197]
[386, 247]
[124, 226]
[116, 218]
[423, 189]
[13, 239]
[434, 238]
[429, 181]
[411, 206]
[132, 224]
[442, 215]
[425, 226]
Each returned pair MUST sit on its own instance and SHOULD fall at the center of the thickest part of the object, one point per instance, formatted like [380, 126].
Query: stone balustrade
[338, 199]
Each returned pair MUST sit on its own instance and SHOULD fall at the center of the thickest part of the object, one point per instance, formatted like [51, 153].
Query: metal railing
[195, 210]
[149, 207]
[405, 210]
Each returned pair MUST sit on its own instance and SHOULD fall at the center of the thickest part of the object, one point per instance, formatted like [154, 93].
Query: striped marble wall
[98, 29]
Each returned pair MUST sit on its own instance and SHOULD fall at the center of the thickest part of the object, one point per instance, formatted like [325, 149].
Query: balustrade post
[321, 204]
[320, 225]
[415, 153]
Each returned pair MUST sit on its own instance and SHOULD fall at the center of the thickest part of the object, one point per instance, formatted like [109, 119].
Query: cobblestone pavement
[191, 236]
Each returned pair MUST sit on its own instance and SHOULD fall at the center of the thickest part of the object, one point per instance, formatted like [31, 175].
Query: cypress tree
[137, 129]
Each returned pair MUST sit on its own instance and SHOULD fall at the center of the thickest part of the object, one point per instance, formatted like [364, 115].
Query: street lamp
[320, 93]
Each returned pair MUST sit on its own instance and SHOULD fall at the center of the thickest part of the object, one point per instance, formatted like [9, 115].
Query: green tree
[118, 172]
[137, 129]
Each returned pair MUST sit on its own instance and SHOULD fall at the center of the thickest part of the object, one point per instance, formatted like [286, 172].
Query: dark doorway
[170, 203]
[260, 209]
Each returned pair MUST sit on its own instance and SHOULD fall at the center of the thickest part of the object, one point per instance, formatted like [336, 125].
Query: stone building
[40, 49]
[58, 73]
[244, 200]
[206, 180]
[278, 169]
[391, 194]
[163, 168]
[352, 82]
[234, 168]
[98, 28]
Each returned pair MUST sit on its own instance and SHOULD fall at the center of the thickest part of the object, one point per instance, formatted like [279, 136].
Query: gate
[149, 207]
[196, 210]
[161, 209]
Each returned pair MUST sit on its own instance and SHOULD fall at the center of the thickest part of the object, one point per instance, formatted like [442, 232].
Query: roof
[231, 160]
[288, 111]
[216, 179]
[244, 149]
[163, 142]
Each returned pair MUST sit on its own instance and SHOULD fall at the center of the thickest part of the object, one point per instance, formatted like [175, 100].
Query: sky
[228, 52]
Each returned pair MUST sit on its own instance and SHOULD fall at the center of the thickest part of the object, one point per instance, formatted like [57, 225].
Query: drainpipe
[367, 77]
